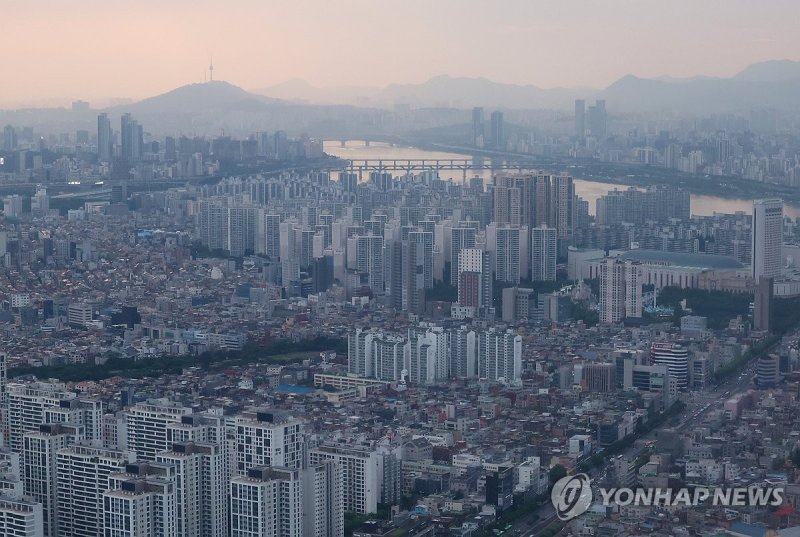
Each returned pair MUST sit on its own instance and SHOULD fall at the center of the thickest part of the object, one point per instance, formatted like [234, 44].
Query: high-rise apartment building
[82, 476]
[146, 427]
[417, 270]
[500, 355]
[620, 290]
[141, 502]
[507, 255]
[39, 466]
[268, 500]
[543, 253]
[362, 471]
[20, 518]
[460, 238]
[266, 438]
[323, 500]
[201, 488]
[27, 404]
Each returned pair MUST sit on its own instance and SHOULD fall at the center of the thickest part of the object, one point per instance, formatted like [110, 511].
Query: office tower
[265, 438]
[39, 464]
[620, 290]
[201, 487]
[146, 427]
[460, 238]
[768, 370]
[762, 304]
[417, 270]
[9, 138]
[20, 518]
[497, 137]
[767, 238]
[388, 357]
[599, 378]
[361, 474]
[131, 136]
[105, 139]
[598, 119]
[507, 255]
[369, 258]
[518, 304]
[500, 355]
[82, 476]
[477, 127]
[428, 359]
[580, 118]
[79, 314]
[675, 358]
[141, 502]
[463, 353]
[543, 253]
[323, 500]
[26, 408]
[359, 353]
[267, 501]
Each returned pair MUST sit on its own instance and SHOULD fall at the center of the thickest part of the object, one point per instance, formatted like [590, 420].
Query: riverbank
[628, 174]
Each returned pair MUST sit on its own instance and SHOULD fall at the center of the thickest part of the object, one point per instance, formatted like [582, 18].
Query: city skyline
[600, 51]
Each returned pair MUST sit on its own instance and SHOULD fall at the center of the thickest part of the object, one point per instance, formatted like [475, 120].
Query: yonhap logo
[572, 496]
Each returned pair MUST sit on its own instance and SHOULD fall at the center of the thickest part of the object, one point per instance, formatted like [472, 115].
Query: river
[701, 205]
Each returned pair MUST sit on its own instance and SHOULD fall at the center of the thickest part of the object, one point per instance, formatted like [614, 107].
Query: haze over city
[54, 52]
[399, 269]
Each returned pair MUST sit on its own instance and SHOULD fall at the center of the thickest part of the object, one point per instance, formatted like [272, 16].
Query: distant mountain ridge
[774, 83]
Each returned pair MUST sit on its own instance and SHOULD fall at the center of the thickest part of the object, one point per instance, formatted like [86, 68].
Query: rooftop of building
[681, 259]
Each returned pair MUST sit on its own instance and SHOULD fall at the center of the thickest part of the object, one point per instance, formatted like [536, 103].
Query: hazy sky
[94, 49]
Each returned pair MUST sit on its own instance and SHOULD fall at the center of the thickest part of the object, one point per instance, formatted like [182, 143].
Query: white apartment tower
[201, 488]
[362, 472]
[20, 518]
[82, 476]
[142, 502]
[267, 501]
[500, 355]
[146, 427]
[39, 461]
[26, 407]
[323, 507]
[264, 438]
[507, 255]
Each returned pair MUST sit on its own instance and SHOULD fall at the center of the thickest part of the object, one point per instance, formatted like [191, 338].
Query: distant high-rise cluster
[495, 136]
